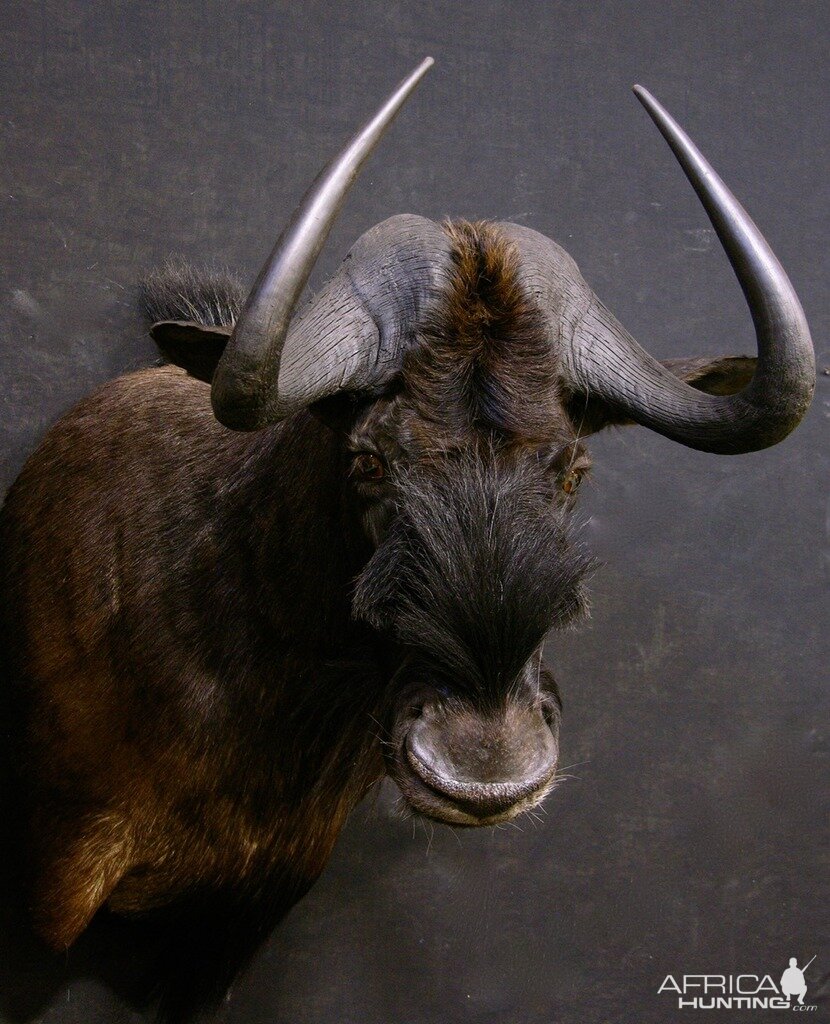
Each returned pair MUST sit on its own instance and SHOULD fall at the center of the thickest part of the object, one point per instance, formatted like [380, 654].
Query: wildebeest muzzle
[478, 565]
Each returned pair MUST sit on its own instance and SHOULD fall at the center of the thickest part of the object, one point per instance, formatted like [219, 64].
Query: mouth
[464, 803]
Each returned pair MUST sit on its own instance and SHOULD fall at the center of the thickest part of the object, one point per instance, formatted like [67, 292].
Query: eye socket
[570, 481]
[367, 466]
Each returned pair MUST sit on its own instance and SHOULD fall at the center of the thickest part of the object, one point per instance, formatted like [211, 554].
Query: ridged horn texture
[605, 361]
[272, 367]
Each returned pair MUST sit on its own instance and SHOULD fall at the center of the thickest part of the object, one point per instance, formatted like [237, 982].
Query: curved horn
[245, 389]
[606, 361]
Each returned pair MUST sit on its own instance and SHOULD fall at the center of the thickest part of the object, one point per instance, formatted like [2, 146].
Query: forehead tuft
[483, 359]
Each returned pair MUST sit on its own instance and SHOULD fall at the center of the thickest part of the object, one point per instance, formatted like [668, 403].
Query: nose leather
[485, 766]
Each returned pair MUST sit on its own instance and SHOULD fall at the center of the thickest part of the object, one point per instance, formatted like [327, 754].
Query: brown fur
[186, 729]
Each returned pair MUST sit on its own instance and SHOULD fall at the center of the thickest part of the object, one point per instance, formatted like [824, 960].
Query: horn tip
[654, 108]
[414, 77]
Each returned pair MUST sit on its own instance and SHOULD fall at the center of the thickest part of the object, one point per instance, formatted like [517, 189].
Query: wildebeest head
[465, 471]
[464, 363]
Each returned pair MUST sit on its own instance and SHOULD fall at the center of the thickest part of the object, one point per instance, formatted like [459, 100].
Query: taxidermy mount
[321, 545]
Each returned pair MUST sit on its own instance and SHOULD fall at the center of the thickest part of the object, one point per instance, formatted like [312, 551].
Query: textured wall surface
[693, 834]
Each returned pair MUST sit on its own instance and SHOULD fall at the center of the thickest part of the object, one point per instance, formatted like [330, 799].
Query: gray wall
[692, 836]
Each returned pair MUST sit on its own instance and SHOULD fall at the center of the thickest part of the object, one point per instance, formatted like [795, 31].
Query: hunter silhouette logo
[740, 991]
[792, 980]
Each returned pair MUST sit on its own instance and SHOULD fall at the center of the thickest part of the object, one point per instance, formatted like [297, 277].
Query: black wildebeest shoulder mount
[323, 546]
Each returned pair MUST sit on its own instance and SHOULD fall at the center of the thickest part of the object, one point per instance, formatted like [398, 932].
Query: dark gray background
[693, 834]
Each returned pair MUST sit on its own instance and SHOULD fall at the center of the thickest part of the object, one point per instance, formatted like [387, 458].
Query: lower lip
[438, 803]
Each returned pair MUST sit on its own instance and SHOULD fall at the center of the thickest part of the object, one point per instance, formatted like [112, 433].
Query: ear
[725, 375]
[194, 347]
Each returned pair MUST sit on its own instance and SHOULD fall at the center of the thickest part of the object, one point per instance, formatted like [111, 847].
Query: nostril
[422, 699]
[551, 712]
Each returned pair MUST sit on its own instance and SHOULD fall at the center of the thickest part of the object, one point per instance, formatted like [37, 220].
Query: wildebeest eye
[571, 480]
[367, 466]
